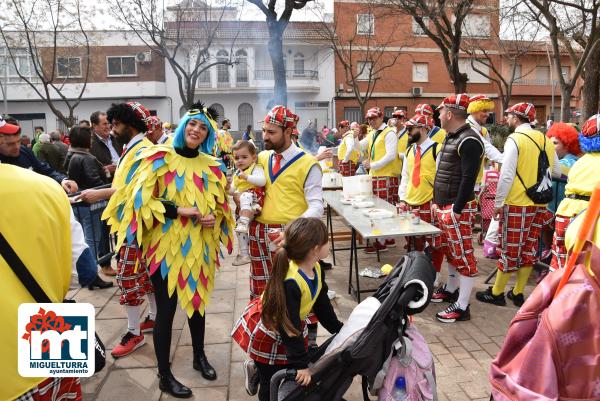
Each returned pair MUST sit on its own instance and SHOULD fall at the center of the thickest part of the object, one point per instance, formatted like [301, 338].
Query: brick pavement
[462, 351]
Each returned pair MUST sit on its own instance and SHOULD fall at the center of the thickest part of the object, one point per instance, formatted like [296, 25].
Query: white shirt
[114, 155]
[313, 186]
[508, 172]
[350, 145]
[391, 147]
[427, 143]
[490, 151]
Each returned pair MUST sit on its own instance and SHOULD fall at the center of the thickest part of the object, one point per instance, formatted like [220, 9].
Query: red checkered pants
[559, 249]
[54, 389]
[457, 237]
[133, 284]
[261, 344]
[348, 169]
[260, 257]
[386, 188]
[435, 242]
[520, 228]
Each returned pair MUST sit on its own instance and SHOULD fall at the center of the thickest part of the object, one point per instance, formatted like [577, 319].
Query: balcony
[534, 87]
[533, 82]
[269, 75]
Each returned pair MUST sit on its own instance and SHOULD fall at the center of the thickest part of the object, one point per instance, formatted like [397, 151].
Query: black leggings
[265, 372]
[163, 324]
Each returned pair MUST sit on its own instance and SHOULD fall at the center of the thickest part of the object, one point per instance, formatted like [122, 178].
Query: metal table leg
[353, 245]
[330, 226]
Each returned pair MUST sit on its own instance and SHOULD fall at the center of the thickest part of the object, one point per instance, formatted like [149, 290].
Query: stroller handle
[278, 377]
[410, 293]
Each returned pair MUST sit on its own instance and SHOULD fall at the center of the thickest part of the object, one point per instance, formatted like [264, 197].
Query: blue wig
[589, 144]
[208, 117]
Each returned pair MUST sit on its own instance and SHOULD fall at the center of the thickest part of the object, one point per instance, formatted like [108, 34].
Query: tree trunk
[590, 92]
[276, 52]
[460, 82]
[565, 104]
[363, 110]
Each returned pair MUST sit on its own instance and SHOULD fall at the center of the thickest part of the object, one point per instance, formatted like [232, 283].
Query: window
[420, 72]
[299, 64]
[566, 72]
[363, 70]
[245, 116]
[204, 79]
[365, 24]
[518, 73]
[476, 25]
[474, 77]
[68, 67]
[388, 111]
[416, 28]
[222, 69]
[352, 114]
[542, 73]
[241, 69]
[17, 60]
[121, 66]
[220, 111]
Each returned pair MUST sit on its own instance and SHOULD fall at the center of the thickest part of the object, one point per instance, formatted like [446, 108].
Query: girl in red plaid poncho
[272, 329]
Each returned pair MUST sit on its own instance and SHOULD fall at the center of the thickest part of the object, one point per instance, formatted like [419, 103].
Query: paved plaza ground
[462, 351]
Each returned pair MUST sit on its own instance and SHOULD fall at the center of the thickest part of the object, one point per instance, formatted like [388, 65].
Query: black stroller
[406, 291]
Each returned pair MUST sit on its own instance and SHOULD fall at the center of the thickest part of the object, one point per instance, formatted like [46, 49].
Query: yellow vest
[307, 298]
[437, 134]
[583, 177]
[416, 196]
[344, 146]
[284, 192]
[127, 160]
[402, 146]
[377, 151]
[571, 235]
[243, 185]
[527, 165]
[35, 220]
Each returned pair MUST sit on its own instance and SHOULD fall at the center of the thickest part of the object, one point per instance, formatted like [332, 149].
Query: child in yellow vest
[272, 328]
[416, 185]
[248, 193]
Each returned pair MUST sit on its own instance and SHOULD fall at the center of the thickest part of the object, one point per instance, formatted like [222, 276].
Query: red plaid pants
[520, 228]
[418, 243]
[559, 249]
[260, 256]
[348, 169]
[55, 389]
[260, 343]
[457, 237]
[133, 285]
[386, 188]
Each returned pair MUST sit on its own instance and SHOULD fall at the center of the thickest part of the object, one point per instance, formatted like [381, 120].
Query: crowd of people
[164, 193]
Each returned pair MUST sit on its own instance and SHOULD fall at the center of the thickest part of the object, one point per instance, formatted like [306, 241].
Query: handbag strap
[22, 272]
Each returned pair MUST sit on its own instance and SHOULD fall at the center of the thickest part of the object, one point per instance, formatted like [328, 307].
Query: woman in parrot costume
[175, 207]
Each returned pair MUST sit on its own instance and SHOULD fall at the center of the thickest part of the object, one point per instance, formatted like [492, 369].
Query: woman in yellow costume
[175, 206]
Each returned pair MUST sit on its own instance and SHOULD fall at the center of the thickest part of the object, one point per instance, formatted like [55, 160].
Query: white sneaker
[241, 260]
[331, 294]
[241, 227]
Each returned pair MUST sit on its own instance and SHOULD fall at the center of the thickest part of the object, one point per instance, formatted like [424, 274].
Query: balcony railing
[264, 75]
[533, 82]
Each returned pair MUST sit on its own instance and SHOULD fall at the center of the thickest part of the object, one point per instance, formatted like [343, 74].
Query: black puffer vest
[449, 170]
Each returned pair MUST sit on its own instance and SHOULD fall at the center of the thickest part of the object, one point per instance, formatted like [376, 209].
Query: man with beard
[416, 185]
[436, 134]
[521, 218]
[293, 190]
[459, 162]
[130, 123]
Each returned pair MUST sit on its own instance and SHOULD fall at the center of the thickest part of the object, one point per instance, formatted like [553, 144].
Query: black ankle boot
[98, 282]
[201, 364]
[170, 385]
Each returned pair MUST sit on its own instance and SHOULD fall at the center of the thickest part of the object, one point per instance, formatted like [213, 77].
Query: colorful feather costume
[183, 251]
